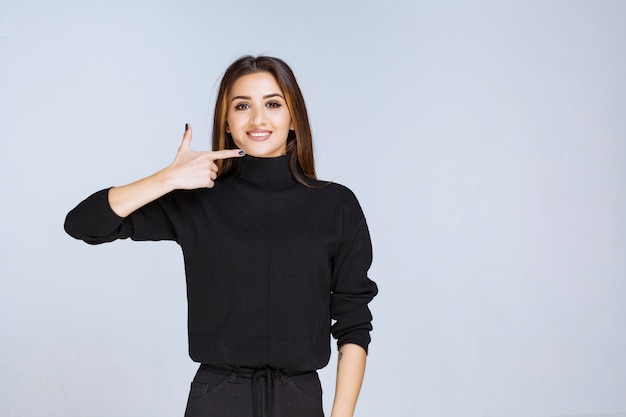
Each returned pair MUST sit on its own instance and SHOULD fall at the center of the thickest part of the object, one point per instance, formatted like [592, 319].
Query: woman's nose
[258, 117]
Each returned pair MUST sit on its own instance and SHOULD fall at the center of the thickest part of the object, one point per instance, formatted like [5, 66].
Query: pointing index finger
[227, 153]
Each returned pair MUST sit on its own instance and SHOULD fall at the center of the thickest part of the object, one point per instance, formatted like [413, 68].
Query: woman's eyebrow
[264, 97]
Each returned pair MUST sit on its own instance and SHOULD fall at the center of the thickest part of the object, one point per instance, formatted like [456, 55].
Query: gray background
[485, 141]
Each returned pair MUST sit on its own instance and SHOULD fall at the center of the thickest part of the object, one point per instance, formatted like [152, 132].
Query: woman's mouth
[259, 135]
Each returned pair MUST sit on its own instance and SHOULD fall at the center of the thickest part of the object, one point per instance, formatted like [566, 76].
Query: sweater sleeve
[93, 221]
[352, 290]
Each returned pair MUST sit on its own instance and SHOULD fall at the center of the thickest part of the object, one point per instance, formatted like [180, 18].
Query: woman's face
[258, 118]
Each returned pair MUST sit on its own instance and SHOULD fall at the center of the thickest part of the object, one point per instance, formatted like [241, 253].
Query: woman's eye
[242, 106]
[273, 105]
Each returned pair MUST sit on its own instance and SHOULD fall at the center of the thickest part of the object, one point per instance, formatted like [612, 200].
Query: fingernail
[242, 153]
[186, 127]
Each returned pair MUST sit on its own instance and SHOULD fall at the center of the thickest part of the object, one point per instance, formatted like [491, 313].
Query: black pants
[225, 391]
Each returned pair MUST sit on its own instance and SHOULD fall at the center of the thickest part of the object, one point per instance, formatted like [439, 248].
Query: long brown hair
[299, 140]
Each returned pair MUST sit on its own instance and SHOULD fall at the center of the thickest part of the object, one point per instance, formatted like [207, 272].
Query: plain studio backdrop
[486, 142]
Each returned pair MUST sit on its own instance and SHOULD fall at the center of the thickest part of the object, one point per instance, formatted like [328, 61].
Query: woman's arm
[190, 170]
[350, 371]
[351, 292]
[100, 217]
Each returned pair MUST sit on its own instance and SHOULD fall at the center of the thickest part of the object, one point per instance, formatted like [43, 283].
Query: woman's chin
[264, 155]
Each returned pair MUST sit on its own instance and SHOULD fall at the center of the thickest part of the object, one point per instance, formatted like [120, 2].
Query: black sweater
[269, 263]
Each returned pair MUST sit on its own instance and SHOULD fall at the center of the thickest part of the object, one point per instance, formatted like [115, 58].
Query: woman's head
[260, 108]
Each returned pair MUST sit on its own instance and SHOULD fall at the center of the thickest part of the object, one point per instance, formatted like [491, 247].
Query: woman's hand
[190, 170]
[195, 169]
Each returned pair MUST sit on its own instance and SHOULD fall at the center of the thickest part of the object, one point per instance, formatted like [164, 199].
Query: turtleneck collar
[271, 173]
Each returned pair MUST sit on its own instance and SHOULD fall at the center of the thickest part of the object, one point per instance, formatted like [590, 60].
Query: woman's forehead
[255, 84]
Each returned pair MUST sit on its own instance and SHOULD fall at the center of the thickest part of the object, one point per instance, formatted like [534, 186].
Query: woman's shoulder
[332, 187]
[338, 193]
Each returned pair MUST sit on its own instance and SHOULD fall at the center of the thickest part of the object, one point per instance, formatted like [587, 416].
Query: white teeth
[258, 134]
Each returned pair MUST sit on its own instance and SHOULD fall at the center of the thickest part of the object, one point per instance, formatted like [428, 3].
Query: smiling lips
[259, 135]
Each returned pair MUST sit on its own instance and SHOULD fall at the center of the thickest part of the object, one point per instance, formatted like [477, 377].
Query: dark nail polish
[186, 127]
[242, 153]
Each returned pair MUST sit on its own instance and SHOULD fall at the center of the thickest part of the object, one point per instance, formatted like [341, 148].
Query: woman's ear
[227, 128]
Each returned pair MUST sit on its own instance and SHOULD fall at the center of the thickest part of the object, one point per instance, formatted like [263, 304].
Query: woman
[272, 255]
